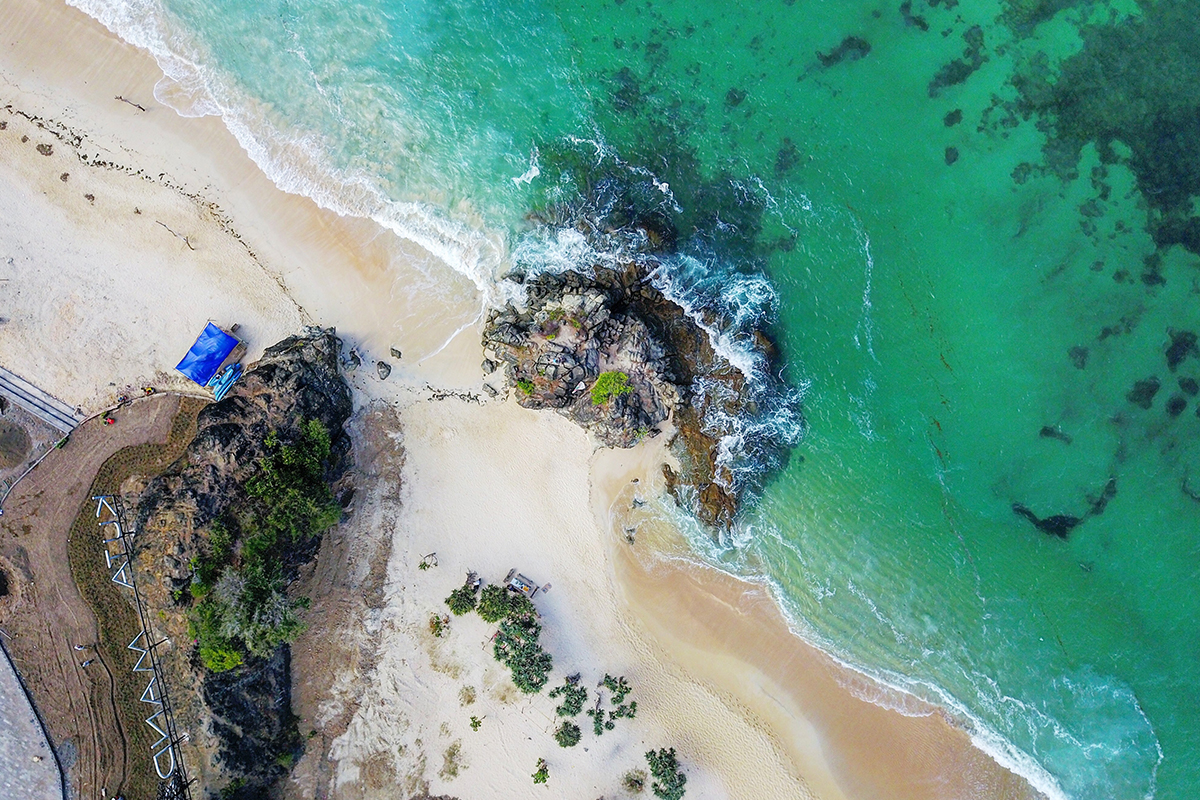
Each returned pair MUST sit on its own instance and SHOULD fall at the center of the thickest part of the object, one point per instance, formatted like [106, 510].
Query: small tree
[543, 771]
[462, 600]
[493, 603]
[668, 778]
[567, 735]
[609, 385]
[573, 695]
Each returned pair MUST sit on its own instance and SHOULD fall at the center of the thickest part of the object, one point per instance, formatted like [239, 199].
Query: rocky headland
[240, 718]
[612, 352]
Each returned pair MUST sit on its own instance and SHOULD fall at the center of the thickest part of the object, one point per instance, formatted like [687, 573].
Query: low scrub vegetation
[239, 586]
[609, 385]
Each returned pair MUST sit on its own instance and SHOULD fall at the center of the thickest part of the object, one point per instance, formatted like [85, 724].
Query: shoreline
[289, 263]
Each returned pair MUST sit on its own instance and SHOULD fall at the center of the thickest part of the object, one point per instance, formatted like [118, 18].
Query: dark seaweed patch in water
[1132, 82]
[958, 70]
[1025, 15]
[1050, 432]
[1183, 344]
[951, 155]
[1189, 386]
[852, 48]
[1176, 405]
[1059, 525]
[735, 97]
[1078, 356]
[952, 118]
[787, 158]
[911, 19]
[1143, 391]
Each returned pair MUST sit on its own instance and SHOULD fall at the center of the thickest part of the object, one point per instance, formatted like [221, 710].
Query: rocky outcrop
[241, 721]
[295, 380]
[573, 328]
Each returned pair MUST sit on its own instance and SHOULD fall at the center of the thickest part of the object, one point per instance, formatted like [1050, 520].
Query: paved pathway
[27, 767]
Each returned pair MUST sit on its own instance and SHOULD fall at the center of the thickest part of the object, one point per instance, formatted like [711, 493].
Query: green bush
[493, 603]
[525, 386]
[220, 659]
[462, 600]
[242, 603]
[497, 603]
[618, 686]
[573, 695]
[567, 735]
[668, 778]
[609, 385]
[543, 772]
[517, 646]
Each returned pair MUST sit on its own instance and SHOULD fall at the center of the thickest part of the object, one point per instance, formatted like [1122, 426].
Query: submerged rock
[574, 328]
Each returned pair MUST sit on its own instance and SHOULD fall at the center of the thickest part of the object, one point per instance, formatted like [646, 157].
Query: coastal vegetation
[669, 779]
[543, 772]
[609, 385]
[568, 734]
[462, 600]
[573, 695]
[517, 646]
[242, 607]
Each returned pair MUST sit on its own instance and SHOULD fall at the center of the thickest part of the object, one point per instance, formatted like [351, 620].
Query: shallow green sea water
[976, 217]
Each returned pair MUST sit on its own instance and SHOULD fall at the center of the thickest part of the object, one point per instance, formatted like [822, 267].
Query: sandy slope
[99, 295]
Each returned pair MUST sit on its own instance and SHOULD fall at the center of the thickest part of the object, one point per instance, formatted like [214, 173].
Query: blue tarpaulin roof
[206, 355]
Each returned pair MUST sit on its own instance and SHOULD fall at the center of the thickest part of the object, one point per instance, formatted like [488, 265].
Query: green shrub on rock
[609, 385]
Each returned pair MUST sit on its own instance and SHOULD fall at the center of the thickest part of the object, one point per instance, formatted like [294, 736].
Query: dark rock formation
[573, 328]
[252, 714]
[1050, 432]
[1059, 525]
[295, 380]
[1189, 386]
[958, 70]
[247, 709]
[1183, 344]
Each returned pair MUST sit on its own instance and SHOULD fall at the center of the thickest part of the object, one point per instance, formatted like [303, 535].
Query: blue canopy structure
[206, 355]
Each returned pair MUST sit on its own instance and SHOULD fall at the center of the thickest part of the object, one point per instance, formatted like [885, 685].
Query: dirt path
[44, 615]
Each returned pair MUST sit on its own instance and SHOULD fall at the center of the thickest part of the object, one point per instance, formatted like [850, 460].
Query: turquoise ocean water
[971, 224]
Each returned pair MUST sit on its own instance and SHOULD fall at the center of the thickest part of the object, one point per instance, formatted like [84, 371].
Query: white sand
[98, 297]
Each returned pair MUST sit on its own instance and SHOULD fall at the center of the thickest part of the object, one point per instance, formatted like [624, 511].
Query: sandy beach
[123, 230]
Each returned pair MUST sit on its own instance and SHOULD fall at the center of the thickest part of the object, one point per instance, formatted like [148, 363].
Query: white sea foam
[297, 163]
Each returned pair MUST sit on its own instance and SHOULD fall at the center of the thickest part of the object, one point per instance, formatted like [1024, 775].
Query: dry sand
[99, 296]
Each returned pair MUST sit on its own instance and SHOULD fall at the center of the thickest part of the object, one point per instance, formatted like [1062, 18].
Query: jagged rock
[575, 327]
[248, 708]
[384, 369]
[488, 366]
[396, 353]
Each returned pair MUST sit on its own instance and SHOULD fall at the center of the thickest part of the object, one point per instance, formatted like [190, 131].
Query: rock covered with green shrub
[233, 521]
